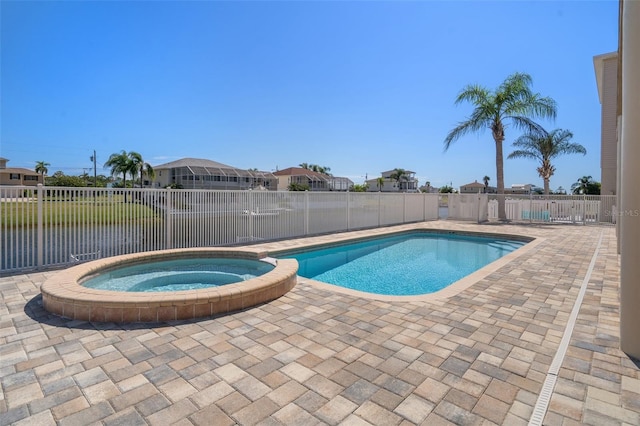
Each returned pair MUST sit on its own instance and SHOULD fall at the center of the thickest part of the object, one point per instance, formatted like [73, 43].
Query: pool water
[408, 264]
[178, 275]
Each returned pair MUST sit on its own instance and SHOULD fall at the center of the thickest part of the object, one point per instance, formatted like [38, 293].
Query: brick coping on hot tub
[63, 293]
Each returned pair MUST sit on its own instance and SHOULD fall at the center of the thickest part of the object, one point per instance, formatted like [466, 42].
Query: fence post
[379, 206]
[40, 229]
[348, 212]
[306, 213]
[584, 209]
[530, 206]
[251, 214]
[424, 206]
[168, 218]
[404, 208]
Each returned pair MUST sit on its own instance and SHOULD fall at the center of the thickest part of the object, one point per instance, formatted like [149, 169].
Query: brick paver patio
[317, 356]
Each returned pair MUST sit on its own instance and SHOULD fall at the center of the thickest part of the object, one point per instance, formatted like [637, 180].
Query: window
[14, 176]
[31, 177]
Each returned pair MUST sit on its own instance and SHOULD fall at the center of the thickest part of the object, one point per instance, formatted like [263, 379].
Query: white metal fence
[585, 209]
[49, 226]
[468, 207]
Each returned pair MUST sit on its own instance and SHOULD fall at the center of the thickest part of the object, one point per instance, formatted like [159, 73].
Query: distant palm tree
[119, 163]
[512, 102]
[486, 180]
[319, 169]
[380, 183]
[545, 146]
[41, 167]
[584, 185]
[138, 165]
[398, 175]
[304, 165]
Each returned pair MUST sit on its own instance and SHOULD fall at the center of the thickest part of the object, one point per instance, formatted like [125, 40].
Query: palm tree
[319, 169]
[380, 183]
[486, 180]
[119, 163]
[138, 165]
[41, 167]
[513, 103]
[304, 165]
[398, 175]
[583, 185]
[544, 146]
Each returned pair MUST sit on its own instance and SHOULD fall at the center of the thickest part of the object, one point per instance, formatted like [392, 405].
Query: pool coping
[451, 290]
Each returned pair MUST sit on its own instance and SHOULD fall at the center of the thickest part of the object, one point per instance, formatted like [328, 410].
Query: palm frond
[522, 153]
[573, 148]
[527, 125]
[514, 89]
[474, 124]
[543, 107]
[474, 94]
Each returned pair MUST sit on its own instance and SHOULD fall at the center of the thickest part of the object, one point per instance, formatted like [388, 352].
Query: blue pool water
[181, 274]
[407, 264]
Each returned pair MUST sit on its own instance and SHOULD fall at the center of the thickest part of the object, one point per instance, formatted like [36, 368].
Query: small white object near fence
[82, 257]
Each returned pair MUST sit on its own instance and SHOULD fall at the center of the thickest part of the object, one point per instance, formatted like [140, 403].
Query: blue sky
[361, 87]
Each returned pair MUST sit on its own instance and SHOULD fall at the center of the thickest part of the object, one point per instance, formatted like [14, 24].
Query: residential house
[197, 173]
[521, 189]
[18, 175]
[299, 176]
[337, 183]
[407, 183]
[429, 189]
[475, 187]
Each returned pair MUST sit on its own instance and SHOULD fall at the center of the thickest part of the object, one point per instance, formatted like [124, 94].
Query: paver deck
[319, 356]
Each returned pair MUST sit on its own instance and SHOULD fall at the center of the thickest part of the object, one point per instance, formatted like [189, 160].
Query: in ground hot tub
[167, 285]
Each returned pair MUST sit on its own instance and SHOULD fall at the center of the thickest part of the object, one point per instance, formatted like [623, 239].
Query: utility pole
[95, 176]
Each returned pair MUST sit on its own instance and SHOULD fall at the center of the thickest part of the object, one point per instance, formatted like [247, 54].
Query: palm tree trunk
[124, 185]
[502, 214]
[546, 186]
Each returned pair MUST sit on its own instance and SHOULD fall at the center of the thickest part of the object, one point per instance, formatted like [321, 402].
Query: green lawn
[84, 211]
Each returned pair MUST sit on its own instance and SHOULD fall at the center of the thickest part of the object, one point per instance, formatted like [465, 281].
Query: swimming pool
[407, 264]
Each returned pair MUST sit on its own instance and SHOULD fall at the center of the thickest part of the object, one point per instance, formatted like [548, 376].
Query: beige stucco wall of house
[162, 178]
[5, 177]
[606, 67]
[630, 175]
[283, 182]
